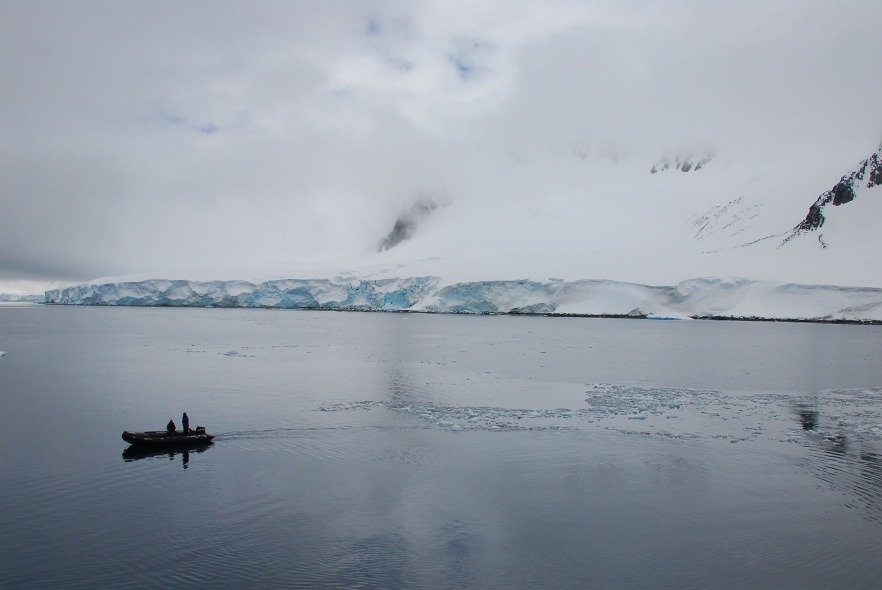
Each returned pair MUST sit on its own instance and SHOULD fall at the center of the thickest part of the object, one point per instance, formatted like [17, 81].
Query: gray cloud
[138, 136]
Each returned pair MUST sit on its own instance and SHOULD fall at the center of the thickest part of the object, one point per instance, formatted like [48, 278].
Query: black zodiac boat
[155, 439]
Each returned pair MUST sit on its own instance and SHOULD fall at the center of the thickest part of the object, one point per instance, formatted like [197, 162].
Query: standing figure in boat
[170, 428]
[185, 423]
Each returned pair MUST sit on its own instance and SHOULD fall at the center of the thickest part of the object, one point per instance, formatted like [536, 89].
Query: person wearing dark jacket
[185, 422]
[170, 428]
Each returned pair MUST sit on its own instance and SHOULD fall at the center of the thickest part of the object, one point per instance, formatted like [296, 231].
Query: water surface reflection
[134, 453]
[389, 451]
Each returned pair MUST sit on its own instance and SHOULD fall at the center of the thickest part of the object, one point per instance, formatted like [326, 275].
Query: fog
[156, 137]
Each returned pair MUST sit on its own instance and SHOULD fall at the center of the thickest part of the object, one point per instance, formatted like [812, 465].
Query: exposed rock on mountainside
[867, 175]
[730, 219]
[406, 224]
[683, 161]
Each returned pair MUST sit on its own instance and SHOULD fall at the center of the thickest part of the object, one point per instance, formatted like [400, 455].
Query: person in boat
[185, 423]
[170, 427]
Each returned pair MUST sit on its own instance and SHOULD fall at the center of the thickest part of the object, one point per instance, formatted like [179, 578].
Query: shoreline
[477, 313]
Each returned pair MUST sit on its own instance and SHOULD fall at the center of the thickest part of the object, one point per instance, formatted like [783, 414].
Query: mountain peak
[866, 175]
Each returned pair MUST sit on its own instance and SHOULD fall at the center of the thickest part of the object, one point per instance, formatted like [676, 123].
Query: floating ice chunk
[2, 353]
[668, 316]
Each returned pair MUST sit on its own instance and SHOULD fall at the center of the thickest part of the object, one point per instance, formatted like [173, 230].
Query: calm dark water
[415, 451]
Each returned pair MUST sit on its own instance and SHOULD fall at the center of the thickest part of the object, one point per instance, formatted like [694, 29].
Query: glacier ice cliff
[20, 298]
[695, 298]
[357, 295]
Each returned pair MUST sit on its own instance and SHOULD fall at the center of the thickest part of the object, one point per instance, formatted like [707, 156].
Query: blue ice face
[695, 298]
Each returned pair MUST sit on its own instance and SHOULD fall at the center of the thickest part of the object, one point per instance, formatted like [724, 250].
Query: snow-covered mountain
[587, 243]
[697, 298]
[697, 213]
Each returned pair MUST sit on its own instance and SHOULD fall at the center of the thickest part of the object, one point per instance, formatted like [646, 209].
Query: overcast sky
[136, 136]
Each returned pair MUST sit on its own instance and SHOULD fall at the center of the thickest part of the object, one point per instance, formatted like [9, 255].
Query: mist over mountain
[514, 257]
[647, 142]
[407, 222]
[697, 213]
[615, 219]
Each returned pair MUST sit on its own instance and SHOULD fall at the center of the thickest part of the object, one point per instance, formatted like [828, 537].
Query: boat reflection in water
[135, 453]
[807, 414]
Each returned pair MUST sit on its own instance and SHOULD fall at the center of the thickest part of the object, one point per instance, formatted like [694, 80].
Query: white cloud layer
[141, 137]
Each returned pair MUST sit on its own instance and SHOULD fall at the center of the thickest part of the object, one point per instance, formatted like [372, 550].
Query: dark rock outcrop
[683, 161]
[867, 174]
[406, 224]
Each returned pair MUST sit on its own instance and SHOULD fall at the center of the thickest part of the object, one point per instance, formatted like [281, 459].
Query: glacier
[700, 298]
[20, 298]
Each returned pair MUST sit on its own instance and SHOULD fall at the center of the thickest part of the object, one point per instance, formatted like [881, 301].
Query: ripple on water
[346, 443]
[851, 468]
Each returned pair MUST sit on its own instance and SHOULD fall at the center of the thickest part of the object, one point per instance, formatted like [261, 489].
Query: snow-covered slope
[521, 246]
[697, 298]
[697, 213]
